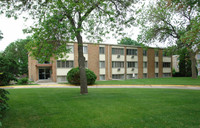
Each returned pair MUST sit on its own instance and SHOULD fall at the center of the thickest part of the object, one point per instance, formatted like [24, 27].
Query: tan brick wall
[160, 63]
[125, 65]
[75, 55]
[151, 63]
[53, 69]
[93, 58]
[110, 62]
[106, 62]
[32, 69]
[140, 63]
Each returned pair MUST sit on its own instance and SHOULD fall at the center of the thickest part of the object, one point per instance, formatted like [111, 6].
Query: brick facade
[93, 59]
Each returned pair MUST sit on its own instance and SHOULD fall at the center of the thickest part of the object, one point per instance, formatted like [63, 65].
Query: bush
[73, 76]
[22, 81]
[5, 78]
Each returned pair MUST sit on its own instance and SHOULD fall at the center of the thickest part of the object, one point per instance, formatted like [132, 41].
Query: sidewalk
[103, 86]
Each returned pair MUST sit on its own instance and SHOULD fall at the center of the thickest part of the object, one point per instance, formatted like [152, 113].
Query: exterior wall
[93, 58]
[140, 63]
[151, 63]
[160, 63]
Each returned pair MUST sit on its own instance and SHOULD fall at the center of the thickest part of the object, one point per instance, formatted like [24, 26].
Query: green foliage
[7, 70]
[184, 63]
[73, 76]
[16, 51]
[129, 41]
[3, 102]
[22, 81]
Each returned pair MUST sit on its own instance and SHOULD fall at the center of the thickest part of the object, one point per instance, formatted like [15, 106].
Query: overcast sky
[12, 31]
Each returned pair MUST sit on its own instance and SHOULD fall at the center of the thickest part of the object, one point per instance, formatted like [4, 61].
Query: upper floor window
[131, 51]
[156, 53]
[86, 64]
[102, 64]
[85, 49]
[65, 64]
[43, 62]
[101, 50]
[166, 64]
[156, 64]
[144, 64]
[71, 48]
[117, 64]
[119, 51]
[144, 52]
[198, 56]
[132, 64]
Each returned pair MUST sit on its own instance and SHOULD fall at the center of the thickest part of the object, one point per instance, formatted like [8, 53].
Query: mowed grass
[103, 108]
[153, 81]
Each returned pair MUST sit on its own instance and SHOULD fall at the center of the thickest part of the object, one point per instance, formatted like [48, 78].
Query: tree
[129, 41]
[174, 22]
[62, 21]
[18, 53]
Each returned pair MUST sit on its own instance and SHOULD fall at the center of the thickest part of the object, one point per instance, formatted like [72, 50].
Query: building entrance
[44, 73]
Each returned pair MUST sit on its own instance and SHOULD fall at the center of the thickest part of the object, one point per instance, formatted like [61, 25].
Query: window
[156, 53]
[156, 75]
[144, 75]
[101, 50]
[45, 62]
[118, 76]
[118, 51]
[85, 49]
[117, 64]
[131, 76]
[62, 78]
[156, 64]
[102, 77]
[131, 52]
[65, 64]
[144, 64]
[166, 74]
[144, 52]
[71, 48]
[132, 64]
[166, 64]
[102, 64]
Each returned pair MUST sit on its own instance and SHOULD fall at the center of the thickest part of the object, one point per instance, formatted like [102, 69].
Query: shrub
[22, 81]
[73, 76]
[5, 78]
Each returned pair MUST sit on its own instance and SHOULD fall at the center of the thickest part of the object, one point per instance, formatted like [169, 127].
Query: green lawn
[153, 81]
[103, 108]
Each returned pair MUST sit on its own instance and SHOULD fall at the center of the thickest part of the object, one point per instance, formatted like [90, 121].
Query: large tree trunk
[81, 63]
[193, 65]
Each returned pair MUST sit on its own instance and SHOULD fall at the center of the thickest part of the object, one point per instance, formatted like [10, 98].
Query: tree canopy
[174, 22]
[129, 41]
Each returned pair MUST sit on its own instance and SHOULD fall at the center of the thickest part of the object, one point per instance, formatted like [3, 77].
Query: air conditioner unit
[133, 69]
[118, 56]
[118, 69]
[132, 57]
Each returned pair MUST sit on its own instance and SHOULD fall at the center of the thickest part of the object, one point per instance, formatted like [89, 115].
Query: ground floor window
[61, 78]
[156, 75]
[132, 76]
[166, 74]
[144, 75]
[102, 77]
[118, 76]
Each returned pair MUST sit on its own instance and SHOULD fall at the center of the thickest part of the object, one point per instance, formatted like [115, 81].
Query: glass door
[44, 73]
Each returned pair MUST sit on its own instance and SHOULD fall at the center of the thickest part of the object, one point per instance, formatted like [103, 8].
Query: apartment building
[198, 63]
[107, 61]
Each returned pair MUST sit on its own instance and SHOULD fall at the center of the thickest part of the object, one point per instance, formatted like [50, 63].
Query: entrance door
[44, 73]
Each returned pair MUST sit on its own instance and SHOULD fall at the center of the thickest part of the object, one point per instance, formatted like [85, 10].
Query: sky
[12, 31]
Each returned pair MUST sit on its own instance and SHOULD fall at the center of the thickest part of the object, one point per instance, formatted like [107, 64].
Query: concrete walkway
[55, 85]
